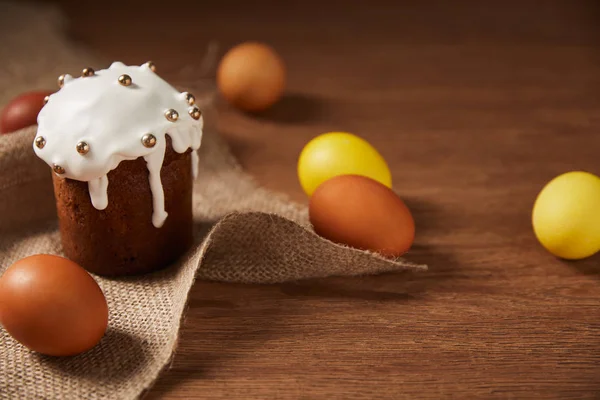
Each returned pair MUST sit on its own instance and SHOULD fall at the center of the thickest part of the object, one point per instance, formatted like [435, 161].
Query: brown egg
[251, 76]
[52, 306]
[22, 111]
[360, 212]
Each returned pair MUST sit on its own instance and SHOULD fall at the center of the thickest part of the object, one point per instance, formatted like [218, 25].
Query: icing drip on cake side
[98, 189]
[120, 113]
[154, 163]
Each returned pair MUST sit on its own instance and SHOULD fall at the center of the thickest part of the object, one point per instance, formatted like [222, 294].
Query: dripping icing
[112, 119]
[195, 164]
[154, 162]
[98, 189]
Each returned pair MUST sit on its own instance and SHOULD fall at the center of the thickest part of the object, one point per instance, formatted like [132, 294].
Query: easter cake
[122, 146]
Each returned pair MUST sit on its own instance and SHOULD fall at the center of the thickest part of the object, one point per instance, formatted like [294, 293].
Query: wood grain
[476, 105]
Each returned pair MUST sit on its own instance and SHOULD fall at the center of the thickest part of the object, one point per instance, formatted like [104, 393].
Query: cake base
[121, 240]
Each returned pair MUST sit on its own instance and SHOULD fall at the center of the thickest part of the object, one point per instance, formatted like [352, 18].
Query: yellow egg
[340, 153]
[566, 215]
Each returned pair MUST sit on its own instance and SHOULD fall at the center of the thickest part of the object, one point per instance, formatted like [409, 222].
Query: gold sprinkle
[61, 81]
[149, 140]
[125, 80]
[40, 142]
[83, 148]
[190, 98]
[58, 169]
[194, 113]
[46, 100]
[171, 115]
[152, 66]
[87, 72]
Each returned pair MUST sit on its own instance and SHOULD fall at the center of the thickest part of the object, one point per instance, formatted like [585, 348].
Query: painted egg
[566, 215]
[362, 213]
[251, 76]
[340, 153]
[22, 111]
[52, 306]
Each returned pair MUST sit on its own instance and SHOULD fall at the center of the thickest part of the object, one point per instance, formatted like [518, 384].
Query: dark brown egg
[52, 306]
[22, 111]
[362, 213]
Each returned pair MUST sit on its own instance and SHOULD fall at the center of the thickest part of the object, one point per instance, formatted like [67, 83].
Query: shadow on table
[354, 288]
[588, 266]
[431, 222]
[294, 108]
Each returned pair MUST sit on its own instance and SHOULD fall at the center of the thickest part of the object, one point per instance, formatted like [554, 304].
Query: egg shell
[22, 111]
[566, 215]
[52, 306]
[251, 76]
[362, 213]
[340, 153]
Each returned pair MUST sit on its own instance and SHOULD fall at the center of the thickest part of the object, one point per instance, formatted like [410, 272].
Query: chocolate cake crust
[121, 239]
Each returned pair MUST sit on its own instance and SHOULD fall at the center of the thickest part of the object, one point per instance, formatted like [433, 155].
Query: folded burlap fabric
[244, 234]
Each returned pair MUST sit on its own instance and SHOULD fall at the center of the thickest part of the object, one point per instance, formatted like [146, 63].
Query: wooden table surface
[475, 105]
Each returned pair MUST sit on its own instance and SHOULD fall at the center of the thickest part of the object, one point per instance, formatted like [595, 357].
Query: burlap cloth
[244, 234]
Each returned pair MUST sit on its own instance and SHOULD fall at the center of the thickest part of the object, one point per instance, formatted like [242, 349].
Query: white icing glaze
[112, 119]
[99, 192]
